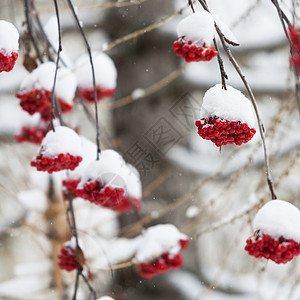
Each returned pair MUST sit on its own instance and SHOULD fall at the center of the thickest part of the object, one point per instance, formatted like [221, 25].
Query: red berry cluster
[107, 197]
[40, 101]
[190, 52]
[31, 134]
[88, 93]
[66, 259]
[162, 264]
[55, 164]
[7, 62]
[69, 188]
[295, 40]
[222, 132]
[279, 250]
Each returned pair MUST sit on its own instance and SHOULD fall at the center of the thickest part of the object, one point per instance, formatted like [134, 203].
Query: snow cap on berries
[105, 298]
[105, 71]
[230, 105]
[9, 38]
[198, 27]
[61, 141]
[157, 240]
[133, 182]
[108, 170]
[42, 78]
[278, 218]
[89, 154]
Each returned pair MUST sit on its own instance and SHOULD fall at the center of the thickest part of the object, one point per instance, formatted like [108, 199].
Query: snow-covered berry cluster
[223, 132]
[67, 259]
[159, 250]
[105, 77]
[226, 117]
[9, 46]
[295, 43]
[36, 90]
[277, 233]
[111, 182]
[195, 34]
[60, 150]
[279, 250]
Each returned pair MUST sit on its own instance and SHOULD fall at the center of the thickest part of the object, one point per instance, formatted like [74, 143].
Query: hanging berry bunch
[9, 46]
[36, 90]
[195, 35]
[60, 150]
[32, 130]
[295, 40]
[226, 117]
[277, 232]
[111, 183]
[105, 77]
[159, 250]
[70, 256]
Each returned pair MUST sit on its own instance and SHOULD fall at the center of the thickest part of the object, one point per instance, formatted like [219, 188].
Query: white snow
[111, 170]
[62, 140]
[192, 212]
[34, 199]
[43, 76]
[230, 105]
[159, 239]
[198, 28]
[71, 243]
[9, 38]
[278, 218]
[105, 71]
[89, 153]
[105, 298]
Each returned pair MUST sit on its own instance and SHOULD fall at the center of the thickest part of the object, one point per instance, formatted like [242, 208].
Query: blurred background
[210, 195]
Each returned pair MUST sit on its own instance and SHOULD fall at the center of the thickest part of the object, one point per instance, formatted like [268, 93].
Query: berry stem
[190, 2]
[221, 66]
[252, 98]
[93, 74]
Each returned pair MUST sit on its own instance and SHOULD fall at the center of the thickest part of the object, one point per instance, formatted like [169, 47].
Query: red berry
[223, 132]
[31, 134]
[7, 62]
[191, 52]
[279, 250]
[88, 93]
[55, 164]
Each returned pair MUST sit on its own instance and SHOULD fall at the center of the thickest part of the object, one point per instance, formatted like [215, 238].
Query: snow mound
[198, 27]
[62, 140]
[230, 105]
[278, 218]
[9, 38]
[157, 240]
[112, 170]
[105, 298]
[105, 71]
[43, 76]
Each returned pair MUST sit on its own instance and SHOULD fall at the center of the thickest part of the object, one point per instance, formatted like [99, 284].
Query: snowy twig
[29, 28]
[93, 74]
[113, 5]
[252, 98]
[76, 285]
[92, 291]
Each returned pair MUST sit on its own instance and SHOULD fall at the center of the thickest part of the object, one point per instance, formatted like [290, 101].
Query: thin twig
[93, 74]
[30, 31]
[54, 102]
[252, 98]
[92, 291]
[76, 285]
[191, 5]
